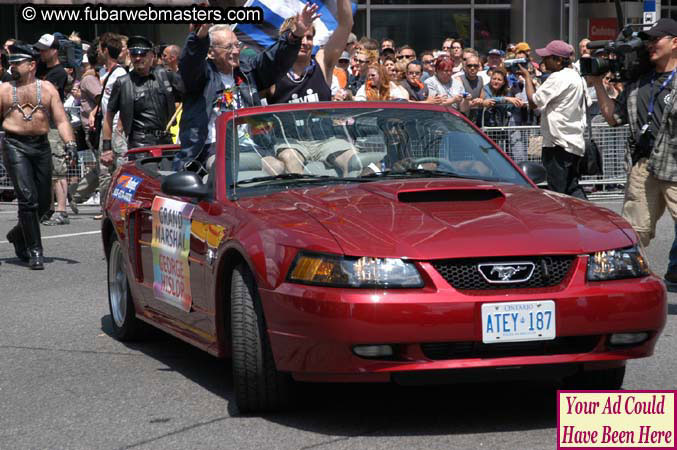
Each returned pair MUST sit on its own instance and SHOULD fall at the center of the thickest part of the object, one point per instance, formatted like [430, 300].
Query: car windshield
[324, 146]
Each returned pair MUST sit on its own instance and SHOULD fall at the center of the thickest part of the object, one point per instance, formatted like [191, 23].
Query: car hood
[432, 219]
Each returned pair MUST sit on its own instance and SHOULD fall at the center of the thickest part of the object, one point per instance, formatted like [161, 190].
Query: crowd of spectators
[367, 70]
[488, 88]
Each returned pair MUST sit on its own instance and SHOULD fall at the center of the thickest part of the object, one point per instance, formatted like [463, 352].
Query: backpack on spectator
[70, 53]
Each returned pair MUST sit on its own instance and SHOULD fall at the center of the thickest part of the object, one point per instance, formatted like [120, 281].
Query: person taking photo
[561, 101]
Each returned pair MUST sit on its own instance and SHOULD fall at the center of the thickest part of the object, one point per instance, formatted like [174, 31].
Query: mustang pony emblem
[508, 272]
[505, 273]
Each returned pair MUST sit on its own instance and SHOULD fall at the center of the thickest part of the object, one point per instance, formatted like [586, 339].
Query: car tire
[606, 379]
[126, 327]
[259, 386]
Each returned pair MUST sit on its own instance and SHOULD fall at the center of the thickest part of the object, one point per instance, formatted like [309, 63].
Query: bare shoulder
[5, 88]
[47, 86]
[49, 92]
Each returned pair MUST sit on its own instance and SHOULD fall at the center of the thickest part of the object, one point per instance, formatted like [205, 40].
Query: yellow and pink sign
[616, 419]
[171, 246]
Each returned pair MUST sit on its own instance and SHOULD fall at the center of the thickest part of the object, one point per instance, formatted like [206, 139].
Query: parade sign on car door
[171, 245]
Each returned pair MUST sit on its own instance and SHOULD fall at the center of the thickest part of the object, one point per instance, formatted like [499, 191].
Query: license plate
[518, 321]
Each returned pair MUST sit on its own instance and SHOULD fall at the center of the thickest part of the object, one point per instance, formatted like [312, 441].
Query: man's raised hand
[304, 20]
[201, 29]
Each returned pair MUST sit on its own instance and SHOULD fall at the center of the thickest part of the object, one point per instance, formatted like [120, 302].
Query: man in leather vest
[145, 98]
[26, 106]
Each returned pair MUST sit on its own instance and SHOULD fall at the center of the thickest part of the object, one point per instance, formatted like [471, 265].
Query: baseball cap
[556, 48]
[139, 45]
[20, 51]
[46, 42]
[345, 56]
[522, 47]
[495, 51]
[664, 27]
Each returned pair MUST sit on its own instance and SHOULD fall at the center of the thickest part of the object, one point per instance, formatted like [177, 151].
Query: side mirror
[535, 171]
[184, 184]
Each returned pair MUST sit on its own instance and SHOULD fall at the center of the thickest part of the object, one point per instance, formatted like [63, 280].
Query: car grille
[557, 346]
[463, 274]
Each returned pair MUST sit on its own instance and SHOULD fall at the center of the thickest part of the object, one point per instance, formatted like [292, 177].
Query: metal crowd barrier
[86, 161]
[520, 143]
[524, 144]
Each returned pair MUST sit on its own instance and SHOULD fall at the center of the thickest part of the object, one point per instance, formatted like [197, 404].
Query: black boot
[31, 231]
[16, 237]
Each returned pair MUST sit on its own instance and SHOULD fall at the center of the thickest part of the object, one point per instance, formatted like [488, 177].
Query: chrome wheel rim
[117, 285]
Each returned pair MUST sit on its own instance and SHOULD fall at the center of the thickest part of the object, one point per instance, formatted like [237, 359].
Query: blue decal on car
[126, 188]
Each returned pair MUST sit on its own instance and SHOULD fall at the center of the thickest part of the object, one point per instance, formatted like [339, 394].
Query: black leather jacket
[122, 96]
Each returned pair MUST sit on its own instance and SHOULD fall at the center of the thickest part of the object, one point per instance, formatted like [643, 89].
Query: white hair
[218, 28]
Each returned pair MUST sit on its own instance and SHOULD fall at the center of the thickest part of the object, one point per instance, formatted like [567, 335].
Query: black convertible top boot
[30, 225]
[16, 237]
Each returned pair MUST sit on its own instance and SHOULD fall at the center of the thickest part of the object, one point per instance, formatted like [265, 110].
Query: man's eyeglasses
[361, 61]
[457, 47]
[414, 74]
[405, 56]
[235, 45]
[428, 61]
[472, 66]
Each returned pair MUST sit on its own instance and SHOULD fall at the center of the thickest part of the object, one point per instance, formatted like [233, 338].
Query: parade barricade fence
[525, 144]
[522, 143]
[86, 161]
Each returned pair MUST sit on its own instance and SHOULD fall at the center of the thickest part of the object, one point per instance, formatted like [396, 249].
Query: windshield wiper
[284, 176]
[414, 171]
[426, 173]
[432, 173]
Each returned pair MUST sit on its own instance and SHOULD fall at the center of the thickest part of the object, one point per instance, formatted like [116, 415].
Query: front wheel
[258, 384]
[126, 327]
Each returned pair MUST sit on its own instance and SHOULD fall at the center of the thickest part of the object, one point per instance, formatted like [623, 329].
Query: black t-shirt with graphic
[310, 87]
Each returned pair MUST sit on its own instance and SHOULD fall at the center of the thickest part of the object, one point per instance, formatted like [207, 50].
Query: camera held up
[513, 65]
[628, 57]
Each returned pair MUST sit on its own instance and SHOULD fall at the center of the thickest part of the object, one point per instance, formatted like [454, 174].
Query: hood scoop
[451, 195]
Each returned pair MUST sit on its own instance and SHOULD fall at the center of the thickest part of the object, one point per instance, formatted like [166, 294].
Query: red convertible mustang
[374, 242]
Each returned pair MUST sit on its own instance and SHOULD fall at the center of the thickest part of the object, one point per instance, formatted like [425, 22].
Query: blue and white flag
[262, 35]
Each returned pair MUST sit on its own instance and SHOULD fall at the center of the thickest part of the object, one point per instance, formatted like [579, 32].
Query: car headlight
[616, 264]
[343, 271]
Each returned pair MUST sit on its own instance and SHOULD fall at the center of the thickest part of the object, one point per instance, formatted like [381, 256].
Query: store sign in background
[603, 29]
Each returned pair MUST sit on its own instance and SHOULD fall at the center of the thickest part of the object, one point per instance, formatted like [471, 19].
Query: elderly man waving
[225, 81]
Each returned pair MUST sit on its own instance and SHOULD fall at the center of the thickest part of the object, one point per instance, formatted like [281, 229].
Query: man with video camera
[648, 106]
[561, 101]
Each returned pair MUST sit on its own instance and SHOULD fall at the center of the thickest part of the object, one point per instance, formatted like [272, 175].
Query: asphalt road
[66, 383]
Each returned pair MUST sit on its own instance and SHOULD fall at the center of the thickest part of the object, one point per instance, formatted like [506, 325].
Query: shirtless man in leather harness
[26, 105]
